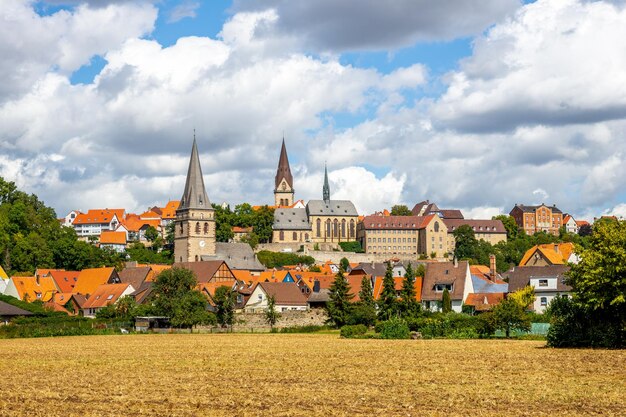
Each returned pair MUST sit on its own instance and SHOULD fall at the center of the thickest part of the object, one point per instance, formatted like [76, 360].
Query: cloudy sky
[475, 105]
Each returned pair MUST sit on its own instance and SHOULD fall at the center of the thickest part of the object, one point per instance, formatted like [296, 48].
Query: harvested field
[286, 374]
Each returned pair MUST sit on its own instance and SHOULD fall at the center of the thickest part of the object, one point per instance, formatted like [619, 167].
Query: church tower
[283, 191]
[194, 227]
[326, 188]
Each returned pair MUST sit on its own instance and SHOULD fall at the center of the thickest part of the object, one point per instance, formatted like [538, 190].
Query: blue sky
[476, 105]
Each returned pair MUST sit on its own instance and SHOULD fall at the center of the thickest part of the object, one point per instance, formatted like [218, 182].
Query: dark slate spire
[283, 170]
[194, 196]
[326, 189]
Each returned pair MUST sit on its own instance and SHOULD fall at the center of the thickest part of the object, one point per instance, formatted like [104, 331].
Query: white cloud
[556, 62]
[183, 10]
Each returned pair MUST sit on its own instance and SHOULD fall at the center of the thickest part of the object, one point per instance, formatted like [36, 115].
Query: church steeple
[326, 189]
[283, 183]
[195, 195]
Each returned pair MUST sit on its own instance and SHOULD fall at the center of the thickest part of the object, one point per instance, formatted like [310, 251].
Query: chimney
[456, 262]
[492, 267]
[556, 247]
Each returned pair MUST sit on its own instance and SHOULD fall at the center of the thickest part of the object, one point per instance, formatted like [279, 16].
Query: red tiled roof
[92, 278]
[397, 222]
[484, 301]
[99, 216]
[237, 229]
[112, 238]
[65, 280]
[105, 295]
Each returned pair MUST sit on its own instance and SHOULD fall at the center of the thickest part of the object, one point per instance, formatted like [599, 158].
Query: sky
[476, 105]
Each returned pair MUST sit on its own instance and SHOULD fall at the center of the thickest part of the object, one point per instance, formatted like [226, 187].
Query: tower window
[198, 227]
[206, 228]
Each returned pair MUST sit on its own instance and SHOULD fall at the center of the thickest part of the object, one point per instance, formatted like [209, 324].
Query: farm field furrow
[314, 374]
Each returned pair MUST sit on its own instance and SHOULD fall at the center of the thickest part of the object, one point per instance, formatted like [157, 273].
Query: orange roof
[32, 289]
[210, 287]
[65, 280]
[99, 216]
[150, 215]
[484, 301]
[133, 222]
[113, 238]
[169, 211]
[41, 272]
[555, 253]
[386, 212]
[566, 218]
[582, 223]
[90, 279]
[309, 278]
[398, 283]
[237, 229]
[105, 295]
[273, 276]
[156, 270]
[245, 276]
[255, 208]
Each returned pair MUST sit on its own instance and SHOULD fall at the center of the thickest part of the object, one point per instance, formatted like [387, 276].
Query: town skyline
[413, 107]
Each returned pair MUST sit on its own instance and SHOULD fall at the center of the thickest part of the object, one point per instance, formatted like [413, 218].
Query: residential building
[283, 182]
[64, 280]
[291, 226]
[550, 254]
[67, 303]
[453, 276]
[8, 312]
[69, 218]
[542, 218]
[135, 276]
[488, 287]
[571, 226]
[3, 284]
[426, 208]
[115, 241]
[208, 271]
[406, 236]
[491, 231]
[237, 255]
[194, 233]
[548, 282]
[91, 278]
[241, 232]
[287, 297]
[31, 288]
[136, 225]
[94, 222]
[3, 274]
[105, 295]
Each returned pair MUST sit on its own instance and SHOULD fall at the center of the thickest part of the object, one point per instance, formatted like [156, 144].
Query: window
[281, 235]
[543, 282]
[295, 236]
[206, 228]
[436, 226]
[442, 287]
[544, 301]
[198, 227]
[110, 297]
[343, 228]
[328, 228]
[319, 228]
[352, 228]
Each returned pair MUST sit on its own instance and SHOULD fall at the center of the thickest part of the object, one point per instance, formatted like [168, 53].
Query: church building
[283, 191]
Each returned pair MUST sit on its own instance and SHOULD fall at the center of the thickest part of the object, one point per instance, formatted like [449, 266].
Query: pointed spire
[194, 196]
[326, 189]
[283, 170]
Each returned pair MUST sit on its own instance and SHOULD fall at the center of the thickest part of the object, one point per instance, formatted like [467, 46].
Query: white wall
[549, 296]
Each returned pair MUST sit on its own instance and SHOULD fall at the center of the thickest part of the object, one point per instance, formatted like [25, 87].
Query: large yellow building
[491, 231]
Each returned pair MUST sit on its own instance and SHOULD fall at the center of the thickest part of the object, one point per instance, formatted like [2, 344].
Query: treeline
[512, 251]
[31, 237]
[261, 220]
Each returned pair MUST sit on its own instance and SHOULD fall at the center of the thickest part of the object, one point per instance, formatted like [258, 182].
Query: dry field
[278, 374]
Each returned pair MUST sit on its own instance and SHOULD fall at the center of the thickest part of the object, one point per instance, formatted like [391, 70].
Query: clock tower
[283, 190]
[194, 227]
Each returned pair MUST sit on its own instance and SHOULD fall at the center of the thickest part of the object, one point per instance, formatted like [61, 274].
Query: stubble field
[277, 374]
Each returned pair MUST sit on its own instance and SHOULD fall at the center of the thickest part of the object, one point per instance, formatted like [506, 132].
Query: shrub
[351, 247]
[394, 329]
[303, 329]
[276, 259]
[350, 331]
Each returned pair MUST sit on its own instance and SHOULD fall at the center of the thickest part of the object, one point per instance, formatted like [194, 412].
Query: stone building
[540, 218]
[406, 236]
[194, 231]
[491, 231]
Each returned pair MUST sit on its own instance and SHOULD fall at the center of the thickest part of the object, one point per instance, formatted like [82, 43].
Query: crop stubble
[278, 374]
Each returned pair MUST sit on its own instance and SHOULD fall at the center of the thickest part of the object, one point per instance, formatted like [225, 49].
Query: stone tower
[283, 191]
[194, 233]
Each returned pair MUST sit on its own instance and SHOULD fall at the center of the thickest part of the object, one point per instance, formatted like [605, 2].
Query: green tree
[510, 315]
[366, 293]
[262, 222]
[151, 234]
[364, 311]
[465, 242]
[170, 233]
[271, 315]
[344, 264]
[225, 306]
[511, 227]
[409, 305]
[174, 296]
[420, 270]
[315, 268]
[388, 302]
[251, 239]
[400, 210]
[446, 301]
[338, 306]
[598, 281]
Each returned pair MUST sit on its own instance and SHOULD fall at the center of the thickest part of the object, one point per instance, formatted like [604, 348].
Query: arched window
[196, 258]
[328, 228]
[198, 227]
[336, 228]
[206, 228]
[295, 236]
[181, 228]
[318, 232]
[343, 228]
[306, 237]
[281, 235]
[352, 228]
[436, 226]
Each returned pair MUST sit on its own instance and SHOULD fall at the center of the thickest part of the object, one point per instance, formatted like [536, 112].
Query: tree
[525, 297]
[315, 268]
[175, 297]
[446, 301]
[251, 239]
[225, 306]
[510, 315]
[465, 242]
[400, 210]
[271, 315]
[344, 263]
[510, 225]
[338, 306]
[364, 311]
[366, 293]
[585, 230]
[151, 234]
[409, 304]
[262, 222]
[388, 302]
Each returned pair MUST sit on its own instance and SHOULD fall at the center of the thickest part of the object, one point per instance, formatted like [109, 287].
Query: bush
[453, 325]
[349, 331]
[362, 314]
[394, 329]
[303, 329]
[277, 259]
[351, 247]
